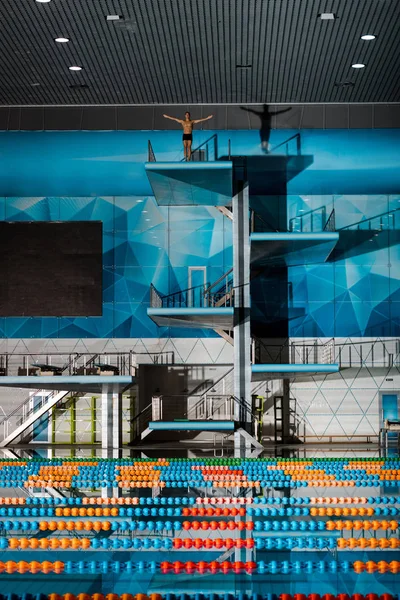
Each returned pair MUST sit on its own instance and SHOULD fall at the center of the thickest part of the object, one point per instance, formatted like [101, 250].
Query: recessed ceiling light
[75, 68]
[43, 1]
[368, 37]
[327, 17]
[358, 66]
[114, 17]
[61, 40]
[344, 84]
[37, 84]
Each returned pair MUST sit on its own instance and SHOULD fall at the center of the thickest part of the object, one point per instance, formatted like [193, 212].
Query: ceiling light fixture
[368, 37]
[61, 40]
[358, 66]
[344, 84]
[43, 1]
[75, 68]
[327, 16]
[114, 17]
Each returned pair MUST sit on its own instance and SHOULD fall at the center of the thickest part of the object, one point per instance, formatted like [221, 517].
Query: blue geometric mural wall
[94, 176]
[357, 291]
[142, 244]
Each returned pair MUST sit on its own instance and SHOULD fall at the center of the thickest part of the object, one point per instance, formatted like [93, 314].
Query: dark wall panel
[135, 118]
[386, 116]
[63, 118]
[233, 117]
[50, 269]
[99, 118]
[361, 116]
[336, 116]
[312, 117]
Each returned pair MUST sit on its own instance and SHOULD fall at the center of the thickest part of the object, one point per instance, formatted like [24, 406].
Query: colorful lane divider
[198, 596]
[153, 543]
[189, 567]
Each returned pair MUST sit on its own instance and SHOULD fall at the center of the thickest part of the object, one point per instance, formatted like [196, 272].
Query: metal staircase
[28, 412]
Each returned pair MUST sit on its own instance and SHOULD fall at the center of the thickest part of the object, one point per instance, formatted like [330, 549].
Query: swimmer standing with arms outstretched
[187, 124]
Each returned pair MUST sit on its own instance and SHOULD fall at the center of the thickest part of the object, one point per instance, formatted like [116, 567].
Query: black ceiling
[187, 51]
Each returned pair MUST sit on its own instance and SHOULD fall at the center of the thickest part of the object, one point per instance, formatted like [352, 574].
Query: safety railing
[296, 138]
[345, 353]
[57, 363]
[151, 156]
[215, 407]
[221, 292]
[155, 298]
[368, 353]
[201, 296]
[330, 224]
[312, 220]
[206, 151]
[260, 224]
[295, 352]
[381, 222]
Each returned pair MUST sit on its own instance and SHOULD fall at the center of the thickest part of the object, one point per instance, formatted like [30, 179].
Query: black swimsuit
[188, 137]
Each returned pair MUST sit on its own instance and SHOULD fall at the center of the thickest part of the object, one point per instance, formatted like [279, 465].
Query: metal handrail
[214, 137]
[141, 412]
[151, 155]
[309, 212]
[291, 347]
[330, 224]
[387, 213]
[44, 398]
[218, 280]
[297, 137]
[254, 216]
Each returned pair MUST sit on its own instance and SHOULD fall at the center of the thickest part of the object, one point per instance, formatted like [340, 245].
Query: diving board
[261, 372]
[191, 183]
[204, 318]
[192, 425]
[291, 249]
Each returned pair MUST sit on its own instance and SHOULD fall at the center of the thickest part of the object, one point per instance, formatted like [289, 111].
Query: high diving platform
[207, 180]
[79, 383]
[290, 249]
[203, 318]
[262, 372]
[191, 183]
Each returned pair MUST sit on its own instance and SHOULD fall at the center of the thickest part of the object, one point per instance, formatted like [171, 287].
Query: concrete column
[286, 437]
[111, 431]
[241, 280]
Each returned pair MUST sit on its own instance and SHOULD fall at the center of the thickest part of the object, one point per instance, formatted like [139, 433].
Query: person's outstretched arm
[205, 119]
[251, 110]
[279, 112]
[173, 119]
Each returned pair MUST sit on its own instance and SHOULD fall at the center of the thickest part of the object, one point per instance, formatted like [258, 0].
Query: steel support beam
[111, 431]
[242, 340]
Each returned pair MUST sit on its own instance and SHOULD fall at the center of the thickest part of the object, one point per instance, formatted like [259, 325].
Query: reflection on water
[319, 524]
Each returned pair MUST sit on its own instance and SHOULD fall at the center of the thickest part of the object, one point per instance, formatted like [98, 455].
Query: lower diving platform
[79, 383]
[278, 249]
[207, 183]
[214, 425]
[204, 318]
[261, 372]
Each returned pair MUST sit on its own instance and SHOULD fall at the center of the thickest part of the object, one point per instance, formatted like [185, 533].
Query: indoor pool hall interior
[199, 300]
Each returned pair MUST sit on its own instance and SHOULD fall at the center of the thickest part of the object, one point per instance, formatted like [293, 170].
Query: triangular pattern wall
[143, 244]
